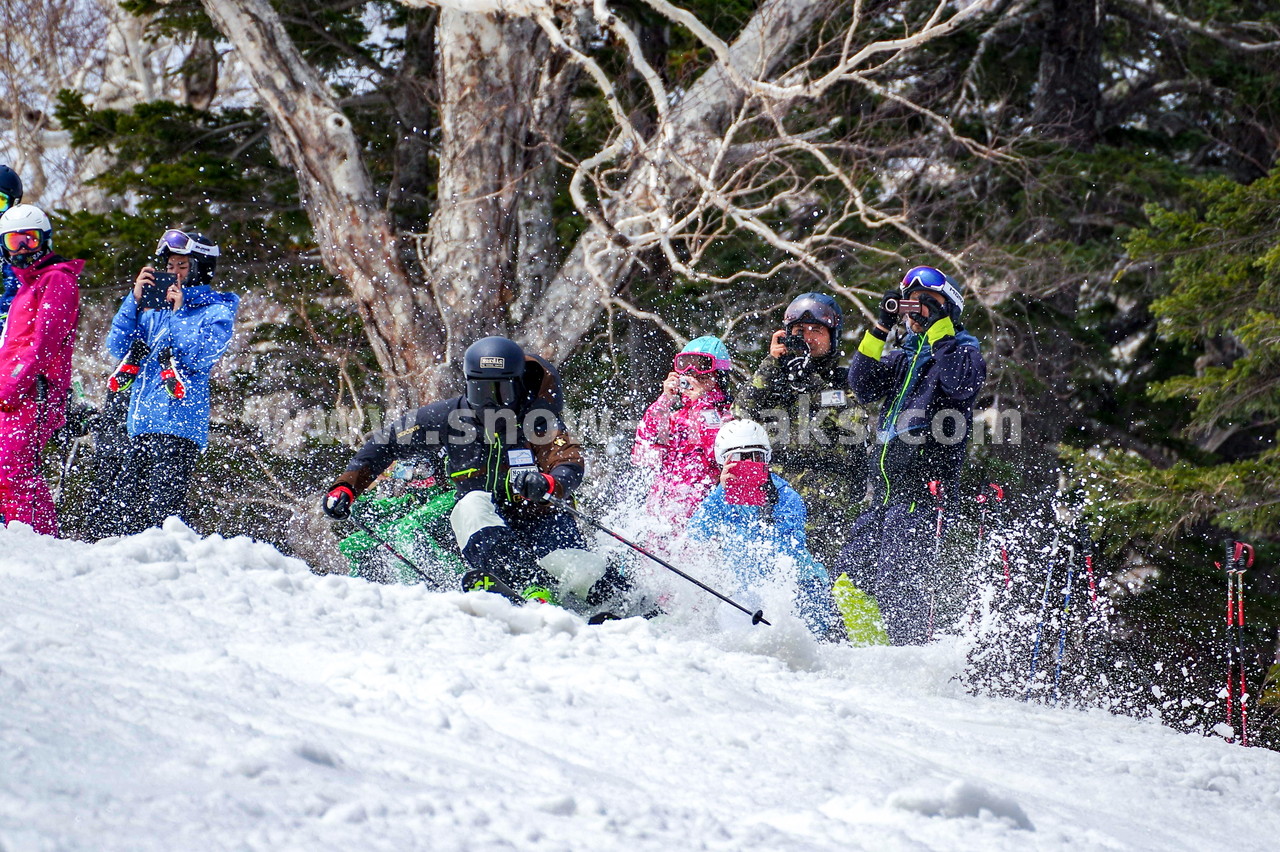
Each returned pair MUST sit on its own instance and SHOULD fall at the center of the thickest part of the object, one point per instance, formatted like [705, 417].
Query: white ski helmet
[738, 436]
[26, 217]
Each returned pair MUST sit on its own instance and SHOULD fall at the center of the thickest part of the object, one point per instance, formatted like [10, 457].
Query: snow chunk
[962, 799]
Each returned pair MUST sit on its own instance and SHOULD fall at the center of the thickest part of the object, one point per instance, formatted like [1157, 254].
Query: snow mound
[167, 691]
[962, 799]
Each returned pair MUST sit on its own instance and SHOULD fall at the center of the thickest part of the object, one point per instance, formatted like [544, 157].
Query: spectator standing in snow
[168, 352]
[676, 437]
[35, 361]
[928, 387]
[822, 430]
[757, 522]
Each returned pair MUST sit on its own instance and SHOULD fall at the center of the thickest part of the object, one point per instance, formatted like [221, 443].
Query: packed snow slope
[172, 693]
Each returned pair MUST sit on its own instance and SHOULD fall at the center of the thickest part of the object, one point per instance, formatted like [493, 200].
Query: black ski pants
[157, 476]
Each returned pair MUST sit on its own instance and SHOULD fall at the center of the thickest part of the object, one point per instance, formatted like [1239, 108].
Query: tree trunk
[488, 71]
[1070, 83]
[357, 241]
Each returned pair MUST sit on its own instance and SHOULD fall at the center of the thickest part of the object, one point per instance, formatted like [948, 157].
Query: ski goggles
[28, 240]
[744, 455]
[931, 280]
[6, 201]
[694, 362]
[179, 242]
[492, 393]
[810, 310]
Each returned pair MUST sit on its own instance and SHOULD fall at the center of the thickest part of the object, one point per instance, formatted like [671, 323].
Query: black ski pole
[1066, 619]
[757, 617]
[367, 530]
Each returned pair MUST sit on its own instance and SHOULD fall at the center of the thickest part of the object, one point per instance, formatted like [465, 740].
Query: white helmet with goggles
[26, 235]
[742, 436]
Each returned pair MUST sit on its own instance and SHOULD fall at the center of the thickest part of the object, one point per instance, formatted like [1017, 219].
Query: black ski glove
[889, 318]
[533, 485]
[935, 314]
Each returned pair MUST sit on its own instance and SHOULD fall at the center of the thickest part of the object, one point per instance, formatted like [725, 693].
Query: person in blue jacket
[928, 387]
[10, 196]
[757, 521]
[167, 355]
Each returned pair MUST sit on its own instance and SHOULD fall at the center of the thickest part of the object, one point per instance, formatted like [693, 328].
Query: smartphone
[746, 488]
[153, 294]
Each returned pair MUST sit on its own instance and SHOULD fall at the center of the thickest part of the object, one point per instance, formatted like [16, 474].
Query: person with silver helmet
[35, 362]
[755, 522]
[505, 449]
[927, 386]
[167, 351]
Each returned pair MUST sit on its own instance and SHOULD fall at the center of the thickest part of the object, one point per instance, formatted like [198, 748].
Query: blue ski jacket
[742, 529]
[197, 334]
[11, 282]
[928, 387]
[751, 538]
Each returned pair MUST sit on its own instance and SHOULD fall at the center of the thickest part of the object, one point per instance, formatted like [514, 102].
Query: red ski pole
[1093, 587]
[1241, 558]
[935, 488]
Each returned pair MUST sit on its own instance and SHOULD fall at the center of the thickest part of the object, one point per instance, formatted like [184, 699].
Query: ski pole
[1066, 619]
[982, 515]
[1093, 587]
[368, 530]
[1044, 605]
[1239, 557]
[935, 488]
[757, 617]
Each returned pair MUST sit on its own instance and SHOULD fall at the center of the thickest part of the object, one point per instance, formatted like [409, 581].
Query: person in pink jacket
[35, 362]
[677, 435]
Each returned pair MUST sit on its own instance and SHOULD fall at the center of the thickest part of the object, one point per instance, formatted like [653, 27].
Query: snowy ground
[172, 693]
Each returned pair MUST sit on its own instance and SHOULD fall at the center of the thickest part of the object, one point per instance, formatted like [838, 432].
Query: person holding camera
[35, 362]
[928, 386]
[676, 437]
[169, 333]
[823, 434]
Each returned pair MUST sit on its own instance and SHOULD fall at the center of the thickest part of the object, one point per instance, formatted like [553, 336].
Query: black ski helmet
[494, 369]
[10, 186]
[199, 249]
[815, 307]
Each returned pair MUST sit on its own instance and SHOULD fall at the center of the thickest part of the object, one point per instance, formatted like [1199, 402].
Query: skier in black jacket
[928, 387]
[504, 447]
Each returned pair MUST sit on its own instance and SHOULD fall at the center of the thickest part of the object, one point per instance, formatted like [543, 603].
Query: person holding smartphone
[170, 331]
[756, 520]
[35, 362]
[676, 436]
[927, 386]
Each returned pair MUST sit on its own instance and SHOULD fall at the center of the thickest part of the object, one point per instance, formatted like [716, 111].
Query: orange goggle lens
[22, 240]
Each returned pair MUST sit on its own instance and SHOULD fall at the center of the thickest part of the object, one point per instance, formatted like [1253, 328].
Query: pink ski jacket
[39, 337]
[679, 442]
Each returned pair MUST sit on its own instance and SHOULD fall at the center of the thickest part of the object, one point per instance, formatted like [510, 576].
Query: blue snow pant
[889, 555]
